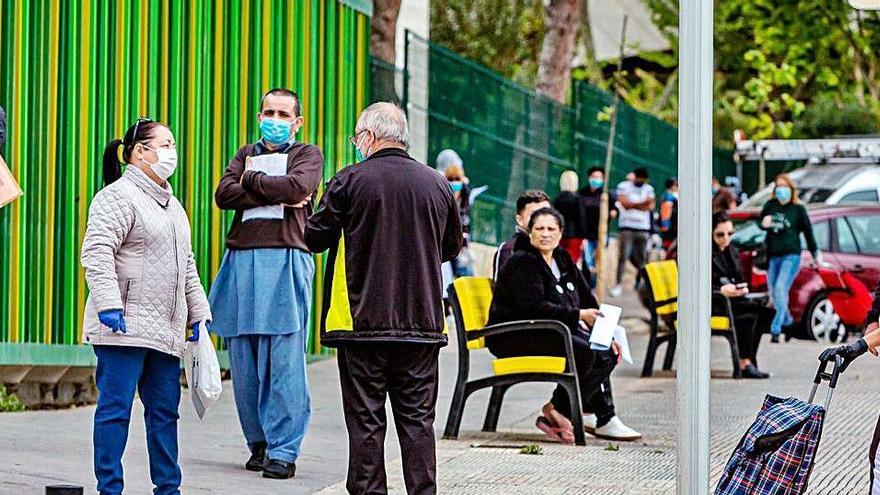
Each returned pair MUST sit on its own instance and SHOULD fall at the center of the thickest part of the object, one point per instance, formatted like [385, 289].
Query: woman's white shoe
[616, 430]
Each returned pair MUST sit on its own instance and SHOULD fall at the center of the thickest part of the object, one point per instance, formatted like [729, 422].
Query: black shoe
[774, 339]
[752, 371]
[279, 470]
[258, 458]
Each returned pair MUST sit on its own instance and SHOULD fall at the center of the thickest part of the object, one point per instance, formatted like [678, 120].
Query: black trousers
[593, 367]
[751, 317]
[408, 374]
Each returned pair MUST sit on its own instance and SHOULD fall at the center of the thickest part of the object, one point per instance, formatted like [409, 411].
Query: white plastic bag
[202, 371]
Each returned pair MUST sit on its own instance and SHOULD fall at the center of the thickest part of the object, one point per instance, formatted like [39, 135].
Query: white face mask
[166, 163]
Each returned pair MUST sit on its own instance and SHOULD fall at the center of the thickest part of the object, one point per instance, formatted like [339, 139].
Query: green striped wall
[74, 75]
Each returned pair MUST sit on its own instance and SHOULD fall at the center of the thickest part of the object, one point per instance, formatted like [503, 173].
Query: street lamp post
[694, 248]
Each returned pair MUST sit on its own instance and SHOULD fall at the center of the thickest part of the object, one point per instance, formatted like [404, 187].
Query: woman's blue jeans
[156, 376]
[780, 277]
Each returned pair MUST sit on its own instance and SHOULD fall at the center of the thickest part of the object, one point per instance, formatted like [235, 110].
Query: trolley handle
[822, 374]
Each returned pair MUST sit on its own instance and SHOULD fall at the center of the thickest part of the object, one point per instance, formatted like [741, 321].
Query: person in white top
[635, 199]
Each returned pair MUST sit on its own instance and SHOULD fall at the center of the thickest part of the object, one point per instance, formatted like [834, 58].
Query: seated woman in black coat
[751, 315]
[540, 281]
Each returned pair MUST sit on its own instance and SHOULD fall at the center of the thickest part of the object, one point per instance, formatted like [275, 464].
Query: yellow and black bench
[470, 298]
[662, 286]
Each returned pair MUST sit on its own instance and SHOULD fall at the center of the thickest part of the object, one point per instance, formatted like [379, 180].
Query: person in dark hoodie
[591, 202]
[540, 281]
[569, 205]
[751, 314]
[389, 222]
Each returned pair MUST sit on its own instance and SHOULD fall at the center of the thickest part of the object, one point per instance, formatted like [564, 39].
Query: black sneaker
[279, 470]
[257, 459]
[752, 371]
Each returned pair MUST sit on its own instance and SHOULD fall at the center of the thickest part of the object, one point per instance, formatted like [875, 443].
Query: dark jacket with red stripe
[389, 222]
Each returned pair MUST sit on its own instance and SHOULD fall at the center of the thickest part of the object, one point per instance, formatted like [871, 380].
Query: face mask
[360, 155]
[165, 164]
[638, 184]
[456, 185]
[714, 191]
[783, 194]
[275, 132]
[596, 183]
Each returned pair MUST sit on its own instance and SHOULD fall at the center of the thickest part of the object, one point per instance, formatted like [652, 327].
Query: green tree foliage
[790, 68]
[504, 35]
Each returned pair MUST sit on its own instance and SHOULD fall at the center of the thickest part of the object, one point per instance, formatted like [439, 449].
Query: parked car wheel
[822, 322]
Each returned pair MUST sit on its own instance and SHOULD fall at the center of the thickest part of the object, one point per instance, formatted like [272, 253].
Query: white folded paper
[603, 329]
[274, 165]
[620, 337]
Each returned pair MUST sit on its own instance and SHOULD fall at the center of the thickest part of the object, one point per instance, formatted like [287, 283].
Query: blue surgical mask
[597, 183]
[358, 155]
[275, 131]
[456, 185]
[783, 194]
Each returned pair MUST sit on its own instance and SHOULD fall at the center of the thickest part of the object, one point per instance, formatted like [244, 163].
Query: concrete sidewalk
[47, 447]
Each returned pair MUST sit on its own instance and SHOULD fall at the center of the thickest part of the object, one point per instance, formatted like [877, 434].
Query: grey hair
[386, 120]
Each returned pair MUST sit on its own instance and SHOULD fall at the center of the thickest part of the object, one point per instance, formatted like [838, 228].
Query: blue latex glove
[112, 318]
[195, 335]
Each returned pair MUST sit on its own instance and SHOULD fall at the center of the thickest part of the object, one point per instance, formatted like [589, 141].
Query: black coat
[725, 267]
[568, 203]
[526, 289]
[393, 221]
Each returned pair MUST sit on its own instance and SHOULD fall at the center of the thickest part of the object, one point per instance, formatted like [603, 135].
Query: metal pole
[604, 207]
[694, 248]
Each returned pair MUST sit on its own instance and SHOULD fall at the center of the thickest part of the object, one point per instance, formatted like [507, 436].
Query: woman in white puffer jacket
[144, 292]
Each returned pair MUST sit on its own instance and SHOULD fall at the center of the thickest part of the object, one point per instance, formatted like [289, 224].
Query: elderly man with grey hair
[389, 222]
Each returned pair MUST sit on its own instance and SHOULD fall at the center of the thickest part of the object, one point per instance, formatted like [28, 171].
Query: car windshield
[748, 235]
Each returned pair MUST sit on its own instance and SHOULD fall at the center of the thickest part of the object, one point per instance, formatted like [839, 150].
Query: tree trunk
[563, 21]
[383, 28]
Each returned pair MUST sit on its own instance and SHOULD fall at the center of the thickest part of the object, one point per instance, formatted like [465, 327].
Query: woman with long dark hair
[144, 292]
[750, 313]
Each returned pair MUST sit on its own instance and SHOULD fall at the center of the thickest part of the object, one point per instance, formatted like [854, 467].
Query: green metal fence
[513, 139]
[74, 75]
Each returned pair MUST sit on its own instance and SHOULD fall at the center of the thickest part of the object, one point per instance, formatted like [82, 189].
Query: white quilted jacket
[138, 258]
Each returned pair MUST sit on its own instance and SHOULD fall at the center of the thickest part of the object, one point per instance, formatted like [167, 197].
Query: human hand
[872, 337]
[195, 333]
[615, 349]
[766, 221]
[301, 204]
[248, 164]
[731, 290]
[113, 319]
[589, 316]
[848, 352]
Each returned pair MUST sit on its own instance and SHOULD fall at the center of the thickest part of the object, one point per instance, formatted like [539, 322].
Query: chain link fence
[512, 139]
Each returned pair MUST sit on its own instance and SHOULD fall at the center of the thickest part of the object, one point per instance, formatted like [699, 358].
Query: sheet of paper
[603, 329]
[273, 165]
[620, 337]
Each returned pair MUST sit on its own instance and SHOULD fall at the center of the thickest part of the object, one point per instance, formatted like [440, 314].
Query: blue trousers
[271, 391]
[780, 277]
[156, 376]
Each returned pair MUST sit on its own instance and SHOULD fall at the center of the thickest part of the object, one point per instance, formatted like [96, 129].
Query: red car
[849, 237]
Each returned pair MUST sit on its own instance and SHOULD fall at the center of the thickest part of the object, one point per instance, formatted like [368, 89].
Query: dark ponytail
[139, 132]
[112, 167]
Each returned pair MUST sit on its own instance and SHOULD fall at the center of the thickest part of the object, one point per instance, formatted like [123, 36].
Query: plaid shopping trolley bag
[776, 455]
